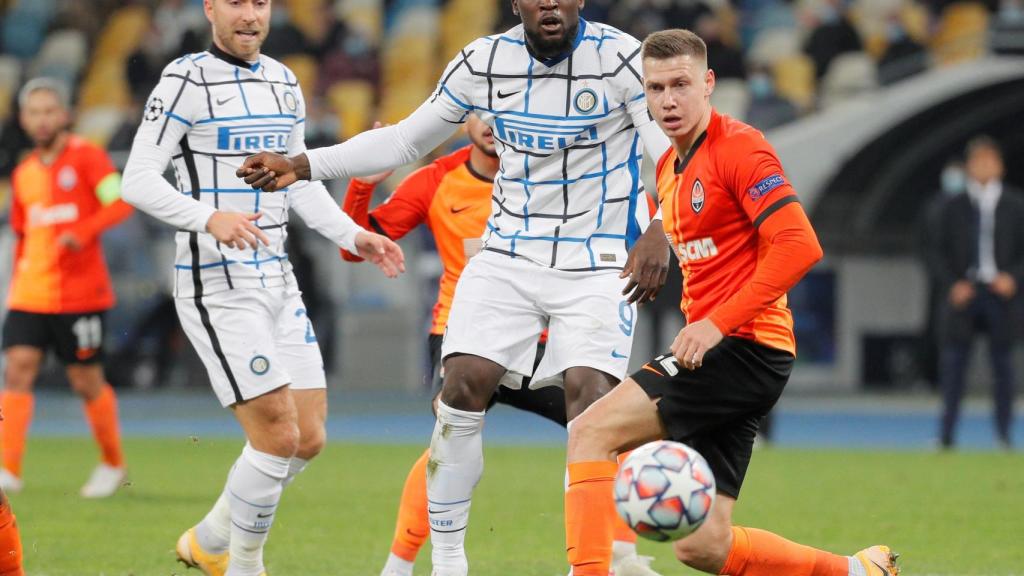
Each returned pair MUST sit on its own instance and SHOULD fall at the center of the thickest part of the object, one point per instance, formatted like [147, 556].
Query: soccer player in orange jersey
[452, 196]
[743, 241]
[66, 193]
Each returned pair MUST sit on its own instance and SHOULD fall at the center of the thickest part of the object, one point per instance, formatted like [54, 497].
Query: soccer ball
[664, 490]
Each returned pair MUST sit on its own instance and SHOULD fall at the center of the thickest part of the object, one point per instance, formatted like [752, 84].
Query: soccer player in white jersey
[566, 103]
[236, 295]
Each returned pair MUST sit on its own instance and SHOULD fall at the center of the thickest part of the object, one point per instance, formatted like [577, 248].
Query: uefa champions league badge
[154, 109]
[259, 365]
[585, 101]
[697, 196]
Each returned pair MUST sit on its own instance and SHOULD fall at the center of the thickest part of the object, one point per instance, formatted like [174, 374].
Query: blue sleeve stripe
[178, 118]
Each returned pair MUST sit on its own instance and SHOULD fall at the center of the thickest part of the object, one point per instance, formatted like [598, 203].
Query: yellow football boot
[193, 556]
[878, 561]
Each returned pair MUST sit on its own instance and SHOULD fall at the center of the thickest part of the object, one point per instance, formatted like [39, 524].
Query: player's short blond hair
[666, 44]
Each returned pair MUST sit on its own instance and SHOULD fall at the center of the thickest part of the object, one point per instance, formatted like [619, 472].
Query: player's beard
[46, 141]
[552, 48]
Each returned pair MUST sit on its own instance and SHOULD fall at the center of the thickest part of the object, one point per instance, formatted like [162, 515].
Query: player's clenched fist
[694, 341]
[236, 229]
[271, 172]
[381, 251]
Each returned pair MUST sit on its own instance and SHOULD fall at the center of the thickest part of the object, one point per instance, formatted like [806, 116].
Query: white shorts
[502, 305]
[253, 340]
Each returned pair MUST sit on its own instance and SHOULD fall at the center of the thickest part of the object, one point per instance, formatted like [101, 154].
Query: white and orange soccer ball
[664, 490]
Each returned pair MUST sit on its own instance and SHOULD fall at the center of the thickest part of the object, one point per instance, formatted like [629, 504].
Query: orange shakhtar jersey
[48, 202]
[450, 198]
[716, 205]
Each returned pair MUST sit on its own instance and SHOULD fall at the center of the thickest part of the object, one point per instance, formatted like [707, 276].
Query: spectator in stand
[767, 109]
[725, 60]
[833, 34]
[903, 56]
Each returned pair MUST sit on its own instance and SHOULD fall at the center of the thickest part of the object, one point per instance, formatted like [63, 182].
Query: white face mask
[954, 180]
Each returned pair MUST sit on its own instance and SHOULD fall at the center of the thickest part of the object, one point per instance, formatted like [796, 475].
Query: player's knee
[706, 550]
[311, 442]
[461, 391]
[86, 381]
[586, 438]
[19, 372]
[278, 435]
[285, 439]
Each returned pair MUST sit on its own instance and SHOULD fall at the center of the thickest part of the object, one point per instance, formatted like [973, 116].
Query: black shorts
[548, 402]
[75, 338]
[716, 408]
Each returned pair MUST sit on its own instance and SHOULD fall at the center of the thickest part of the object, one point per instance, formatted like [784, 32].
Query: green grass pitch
[946, 513]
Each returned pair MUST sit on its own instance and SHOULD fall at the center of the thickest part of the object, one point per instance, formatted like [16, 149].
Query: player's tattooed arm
[647, 265]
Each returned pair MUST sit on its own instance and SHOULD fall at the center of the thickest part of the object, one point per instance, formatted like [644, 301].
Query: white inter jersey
[207, 114]
[568, 193]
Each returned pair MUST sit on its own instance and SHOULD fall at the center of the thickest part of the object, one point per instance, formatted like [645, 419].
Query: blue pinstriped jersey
[209, 111]
[568, 193]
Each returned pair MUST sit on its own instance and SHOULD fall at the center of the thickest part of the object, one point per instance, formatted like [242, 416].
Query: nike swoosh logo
[457, 210]
[503, 95]
[429, 511]
[884, 571]
[224, 101]
[259, 515]
[615, 354]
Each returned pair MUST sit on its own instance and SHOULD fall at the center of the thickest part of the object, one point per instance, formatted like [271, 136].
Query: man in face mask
[976, 255]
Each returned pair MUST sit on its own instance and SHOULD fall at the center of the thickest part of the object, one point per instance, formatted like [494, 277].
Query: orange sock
[589, 517]
[760, 553]
[17, 410]
[413, 525]
[10, 541]
[622, 531]
[101, 412]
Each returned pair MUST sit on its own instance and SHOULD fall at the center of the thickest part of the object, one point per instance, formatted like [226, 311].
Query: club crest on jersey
[697, 196]
[290, 102]
[67, 178]
[585, 101]
[542, 135]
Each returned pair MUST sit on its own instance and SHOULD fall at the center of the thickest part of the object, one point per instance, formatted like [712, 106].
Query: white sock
[456, 464]
[397, 566]
[214, 531]
[621, 549]
[254, 488]
[295, 467]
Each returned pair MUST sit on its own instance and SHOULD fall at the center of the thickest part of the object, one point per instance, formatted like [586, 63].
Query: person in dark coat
[976, 253]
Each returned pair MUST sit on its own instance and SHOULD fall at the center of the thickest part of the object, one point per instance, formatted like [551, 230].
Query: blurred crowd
[360, 60]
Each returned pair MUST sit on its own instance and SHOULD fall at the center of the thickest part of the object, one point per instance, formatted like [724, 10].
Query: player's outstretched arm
[381, 251]
[370, 152]
[647, 265]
